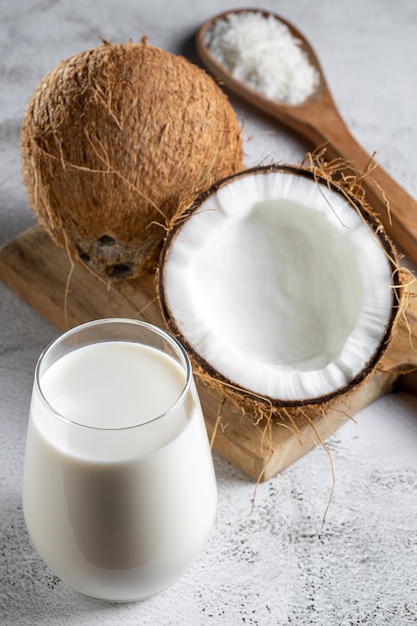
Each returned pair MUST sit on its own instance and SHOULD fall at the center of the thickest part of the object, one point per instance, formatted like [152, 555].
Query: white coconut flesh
[280, 286]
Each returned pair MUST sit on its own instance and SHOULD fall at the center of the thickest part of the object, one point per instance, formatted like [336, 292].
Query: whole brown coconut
[114, 141]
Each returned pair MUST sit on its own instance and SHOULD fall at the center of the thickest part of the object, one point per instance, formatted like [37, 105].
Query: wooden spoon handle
[322, 125]
[401, 355]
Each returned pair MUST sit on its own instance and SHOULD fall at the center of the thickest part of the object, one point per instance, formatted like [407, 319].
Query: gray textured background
[276, 564]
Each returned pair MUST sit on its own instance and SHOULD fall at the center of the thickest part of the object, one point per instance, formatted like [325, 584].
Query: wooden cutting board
[40, 273]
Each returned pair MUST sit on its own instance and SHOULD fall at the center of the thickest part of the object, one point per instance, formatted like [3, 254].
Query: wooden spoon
[319, 121]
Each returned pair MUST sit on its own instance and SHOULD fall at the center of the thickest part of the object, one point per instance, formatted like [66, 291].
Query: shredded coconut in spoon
[261, 52]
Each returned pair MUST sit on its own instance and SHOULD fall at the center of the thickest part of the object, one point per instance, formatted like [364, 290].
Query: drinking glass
[119, 490]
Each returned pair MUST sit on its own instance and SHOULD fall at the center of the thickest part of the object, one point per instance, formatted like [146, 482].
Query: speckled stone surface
[271, 562]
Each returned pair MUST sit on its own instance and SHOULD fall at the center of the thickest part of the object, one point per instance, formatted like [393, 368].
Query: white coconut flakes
[261, 52]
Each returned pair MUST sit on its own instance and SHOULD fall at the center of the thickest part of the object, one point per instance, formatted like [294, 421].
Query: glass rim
[175, 344]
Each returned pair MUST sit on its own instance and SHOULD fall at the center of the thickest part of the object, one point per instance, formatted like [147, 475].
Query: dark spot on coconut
[106, 240]
[84, 256]
[120, 270]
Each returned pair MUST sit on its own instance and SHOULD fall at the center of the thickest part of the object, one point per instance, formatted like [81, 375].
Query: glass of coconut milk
[119, 491]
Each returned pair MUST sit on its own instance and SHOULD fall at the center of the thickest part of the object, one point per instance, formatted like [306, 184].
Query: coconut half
[280, 285]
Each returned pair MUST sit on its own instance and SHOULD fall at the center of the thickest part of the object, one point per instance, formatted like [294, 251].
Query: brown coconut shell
[114, 141]
[258, 408]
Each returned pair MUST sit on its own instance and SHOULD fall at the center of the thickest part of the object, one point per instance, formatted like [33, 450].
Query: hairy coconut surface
[114, 141]
[283, 287]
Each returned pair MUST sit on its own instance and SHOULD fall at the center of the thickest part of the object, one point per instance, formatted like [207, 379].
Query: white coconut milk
[117, 510]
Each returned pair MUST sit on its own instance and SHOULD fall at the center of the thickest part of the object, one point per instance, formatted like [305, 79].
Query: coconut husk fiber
[114, 141]
[264, 410]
